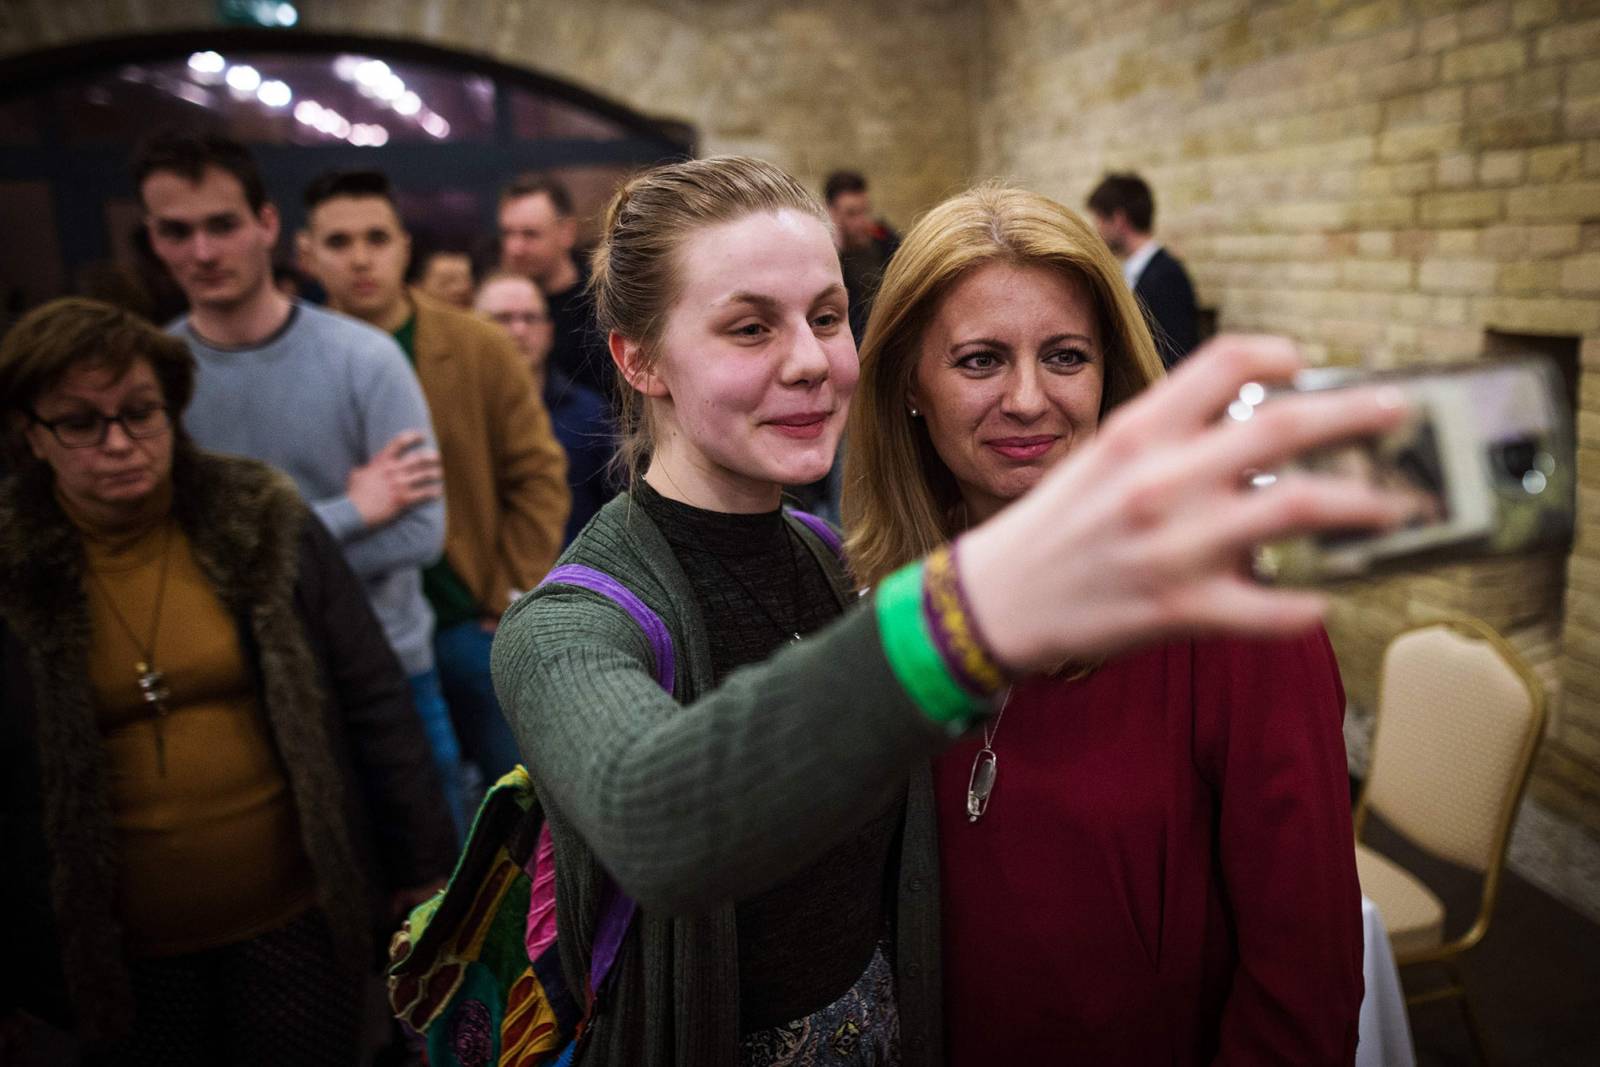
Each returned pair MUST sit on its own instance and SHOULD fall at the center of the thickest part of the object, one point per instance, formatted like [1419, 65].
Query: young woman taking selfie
[773, 814]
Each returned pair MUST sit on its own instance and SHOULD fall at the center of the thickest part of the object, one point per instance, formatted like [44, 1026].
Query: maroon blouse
[1166, 871]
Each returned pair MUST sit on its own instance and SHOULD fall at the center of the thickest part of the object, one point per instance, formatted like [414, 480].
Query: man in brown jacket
[506, 494]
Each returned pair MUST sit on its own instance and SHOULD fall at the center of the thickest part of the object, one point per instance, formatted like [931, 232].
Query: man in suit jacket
[1124, 213]
[506, 497]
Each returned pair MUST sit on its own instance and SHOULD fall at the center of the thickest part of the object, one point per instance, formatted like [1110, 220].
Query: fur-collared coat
[365, 790]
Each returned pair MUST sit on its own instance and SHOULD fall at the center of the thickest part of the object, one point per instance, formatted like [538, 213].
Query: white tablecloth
[1385, 1033]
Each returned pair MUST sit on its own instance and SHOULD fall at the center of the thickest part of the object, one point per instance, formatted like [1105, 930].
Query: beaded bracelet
[954, 629]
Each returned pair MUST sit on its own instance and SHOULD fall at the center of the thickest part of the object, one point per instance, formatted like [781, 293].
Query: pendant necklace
[792, 633]
[985, 767]
[152, 683]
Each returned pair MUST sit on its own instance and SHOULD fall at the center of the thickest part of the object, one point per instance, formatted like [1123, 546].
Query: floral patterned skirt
[860, 1029]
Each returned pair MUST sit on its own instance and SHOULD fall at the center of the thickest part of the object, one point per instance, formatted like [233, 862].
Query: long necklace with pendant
[792, 633]
[152, 683]
[985, 767]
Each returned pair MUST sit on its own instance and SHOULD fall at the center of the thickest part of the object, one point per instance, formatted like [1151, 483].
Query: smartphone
[1486, 456]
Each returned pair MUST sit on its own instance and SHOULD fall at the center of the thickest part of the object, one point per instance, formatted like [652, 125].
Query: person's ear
[302, 252]
[913, 406]
[270, 221]
[34, 433]
[567, 232]
[629, 356]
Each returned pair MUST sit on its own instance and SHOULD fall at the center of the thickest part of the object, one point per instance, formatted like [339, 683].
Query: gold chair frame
[1448, 953]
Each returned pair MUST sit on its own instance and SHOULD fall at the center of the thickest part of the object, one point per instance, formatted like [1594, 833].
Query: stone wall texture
[1383, 180]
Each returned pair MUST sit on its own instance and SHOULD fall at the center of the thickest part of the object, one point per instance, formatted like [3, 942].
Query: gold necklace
[152, 683]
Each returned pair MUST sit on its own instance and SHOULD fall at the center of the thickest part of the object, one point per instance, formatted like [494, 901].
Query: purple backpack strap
[617, 909]
[820, 527]
[616, 915]
[655, 631]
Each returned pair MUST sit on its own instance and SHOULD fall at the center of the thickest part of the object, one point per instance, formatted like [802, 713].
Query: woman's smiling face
[1008, 380]
[755, 368]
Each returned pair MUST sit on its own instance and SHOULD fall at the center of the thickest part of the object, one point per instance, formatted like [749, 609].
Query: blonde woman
[1146, 856]
[766, 804]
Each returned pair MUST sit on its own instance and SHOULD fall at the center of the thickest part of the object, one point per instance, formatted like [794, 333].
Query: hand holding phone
[1486, 456]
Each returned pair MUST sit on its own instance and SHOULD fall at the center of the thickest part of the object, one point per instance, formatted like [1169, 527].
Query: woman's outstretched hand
[1146, 530]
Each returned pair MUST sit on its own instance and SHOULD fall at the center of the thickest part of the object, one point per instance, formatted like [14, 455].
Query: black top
[583, 425]
[803, 943]
[578, 350]
[863, 272]
[1167, 294]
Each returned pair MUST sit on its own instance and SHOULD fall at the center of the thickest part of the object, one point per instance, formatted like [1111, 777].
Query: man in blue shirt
[328, 400]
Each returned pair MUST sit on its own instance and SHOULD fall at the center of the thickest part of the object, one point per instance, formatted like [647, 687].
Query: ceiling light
[436, 125]
[207, 63]
[372, 72]
[245, 79]
[307, 112]
[275, 94]
[409, 103]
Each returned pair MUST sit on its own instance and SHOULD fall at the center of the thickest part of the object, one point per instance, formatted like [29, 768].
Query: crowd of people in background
[282, 616]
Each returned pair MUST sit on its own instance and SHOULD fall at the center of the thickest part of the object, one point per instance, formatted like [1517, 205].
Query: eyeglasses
[89, 430]
[526, 318]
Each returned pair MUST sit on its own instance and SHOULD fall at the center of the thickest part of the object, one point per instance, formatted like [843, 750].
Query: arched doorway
[448, 127]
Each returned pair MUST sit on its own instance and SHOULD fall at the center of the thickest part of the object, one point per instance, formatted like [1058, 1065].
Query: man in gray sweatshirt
[326, 399]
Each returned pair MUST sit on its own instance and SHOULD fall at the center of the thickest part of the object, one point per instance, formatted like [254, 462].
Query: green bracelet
[914, 658]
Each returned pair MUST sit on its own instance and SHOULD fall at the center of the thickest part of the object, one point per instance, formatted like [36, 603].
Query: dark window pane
[20, 122]
[539, 118]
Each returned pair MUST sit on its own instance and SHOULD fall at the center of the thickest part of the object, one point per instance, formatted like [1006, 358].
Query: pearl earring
[915, 414]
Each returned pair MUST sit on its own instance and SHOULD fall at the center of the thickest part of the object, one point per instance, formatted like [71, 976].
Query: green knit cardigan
[709, 796]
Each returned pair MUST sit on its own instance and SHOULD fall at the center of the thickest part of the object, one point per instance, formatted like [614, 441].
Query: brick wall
[1384, 181]
[885, 87]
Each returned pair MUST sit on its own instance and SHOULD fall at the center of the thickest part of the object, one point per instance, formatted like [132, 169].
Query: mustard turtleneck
[210, 847]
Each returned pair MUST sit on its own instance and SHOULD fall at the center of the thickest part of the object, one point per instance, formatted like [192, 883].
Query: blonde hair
[900, 500]
[637, 275]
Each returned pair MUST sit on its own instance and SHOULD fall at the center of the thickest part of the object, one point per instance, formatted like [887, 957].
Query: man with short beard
[1124, 212]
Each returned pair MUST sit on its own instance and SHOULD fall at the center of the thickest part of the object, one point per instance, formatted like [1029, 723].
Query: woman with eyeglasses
[214, 789]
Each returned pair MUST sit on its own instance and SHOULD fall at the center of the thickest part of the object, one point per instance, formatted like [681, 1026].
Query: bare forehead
[786, 252]
[94, 379]
[170, 195]
[509, 294]
[535, 209]
[355, 213]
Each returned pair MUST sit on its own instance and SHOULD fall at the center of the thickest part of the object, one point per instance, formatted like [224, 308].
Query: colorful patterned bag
[476, 969]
